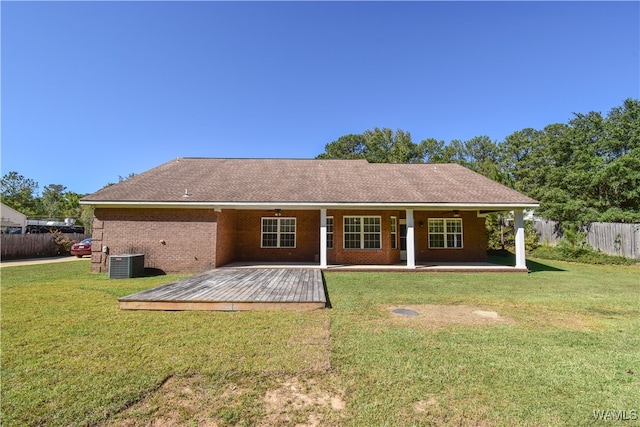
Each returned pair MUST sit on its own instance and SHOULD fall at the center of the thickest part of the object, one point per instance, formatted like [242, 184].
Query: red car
[82, 248]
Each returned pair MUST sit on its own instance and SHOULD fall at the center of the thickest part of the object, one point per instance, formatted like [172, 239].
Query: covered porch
[408, 247]
[429, 237]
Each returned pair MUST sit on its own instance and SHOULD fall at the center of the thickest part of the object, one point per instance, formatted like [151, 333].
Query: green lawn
[568, 345]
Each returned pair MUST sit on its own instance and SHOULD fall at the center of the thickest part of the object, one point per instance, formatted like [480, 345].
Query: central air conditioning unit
[126, 266]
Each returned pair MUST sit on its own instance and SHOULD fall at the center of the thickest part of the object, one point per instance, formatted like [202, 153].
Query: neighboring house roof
[11, 217]
[296, 182]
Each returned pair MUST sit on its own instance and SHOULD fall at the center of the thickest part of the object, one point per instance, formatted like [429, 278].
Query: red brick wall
[199, 239]
[249, 237]
[473, 234]
[384, 256]
[225, 247]
[173, 240]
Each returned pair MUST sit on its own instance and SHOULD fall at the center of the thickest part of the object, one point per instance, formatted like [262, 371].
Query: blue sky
[96, 90]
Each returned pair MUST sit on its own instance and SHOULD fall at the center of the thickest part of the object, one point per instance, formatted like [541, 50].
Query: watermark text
[615, 414]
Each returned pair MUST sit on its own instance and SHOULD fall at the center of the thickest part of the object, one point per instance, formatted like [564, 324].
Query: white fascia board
[312, 205]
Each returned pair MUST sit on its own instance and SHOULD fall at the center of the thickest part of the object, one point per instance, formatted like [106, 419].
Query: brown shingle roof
[246, 181]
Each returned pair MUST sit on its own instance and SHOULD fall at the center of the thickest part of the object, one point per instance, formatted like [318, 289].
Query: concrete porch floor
[431, 267]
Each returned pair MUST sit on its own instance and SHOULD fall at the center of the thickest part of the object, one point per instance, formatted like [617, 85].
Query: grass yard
[565, 344]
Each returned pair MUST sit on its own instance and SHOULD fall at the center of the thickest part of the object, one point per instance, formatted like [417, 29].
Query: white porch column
[323, 238]
[411, 250]
[519, 229]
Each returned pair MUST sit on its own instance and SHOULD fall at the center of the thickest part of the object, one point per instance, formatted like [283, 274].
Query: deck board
[235, 289]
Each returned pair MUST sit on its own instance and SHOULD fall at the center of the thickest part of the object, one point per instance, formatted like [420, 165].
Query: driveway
[18, 262]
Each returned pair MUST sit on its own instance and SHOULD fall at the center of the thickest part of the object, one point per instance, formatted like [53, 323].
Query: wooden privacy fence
[607, 237]
[20, 246]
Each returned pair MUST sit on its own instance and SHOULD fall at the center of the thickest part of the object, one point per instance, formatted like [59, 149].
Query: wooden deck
[234, 289]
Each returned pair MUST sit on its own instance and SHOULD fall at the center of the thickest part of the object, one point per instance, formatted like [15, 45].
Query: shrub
[501, 235]
[63, 243]
[583, 254]
[574, 236]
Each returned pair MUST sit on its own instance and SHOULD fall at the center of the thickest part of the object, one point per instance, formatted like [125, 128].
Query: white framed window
[329, 232]
[362, 232]
[278, 232]
[394, 232]
[445, 233]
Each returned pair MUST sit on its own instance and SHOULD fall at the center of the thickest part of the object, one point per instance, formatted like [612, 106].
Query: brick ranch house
[194, 214]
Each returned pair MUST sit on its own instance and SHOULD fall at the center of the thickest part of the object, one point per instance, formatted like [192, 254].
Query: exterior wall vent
[126, 266]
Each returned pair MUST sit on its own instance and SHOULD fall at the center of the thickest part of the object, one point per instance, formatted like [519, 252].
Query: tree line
[55, 202]
[585, 170]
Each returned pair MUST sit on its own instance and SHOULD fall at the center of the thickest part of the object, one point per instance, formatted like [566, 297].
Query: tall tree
[455, 152]
[434, 151]
[19, 193]
[481, 155]
[520, 158]
[377, 146]
[53, 200]
[585, 170]
[71, 205]
[619, 179]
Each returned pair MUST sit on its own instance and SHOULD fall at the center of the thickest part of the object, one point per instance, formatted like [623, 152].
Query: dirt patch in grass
[180, 400]
[288, 401]
[303, 403]
[423, 406]
[267, 398]
[433, 316]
